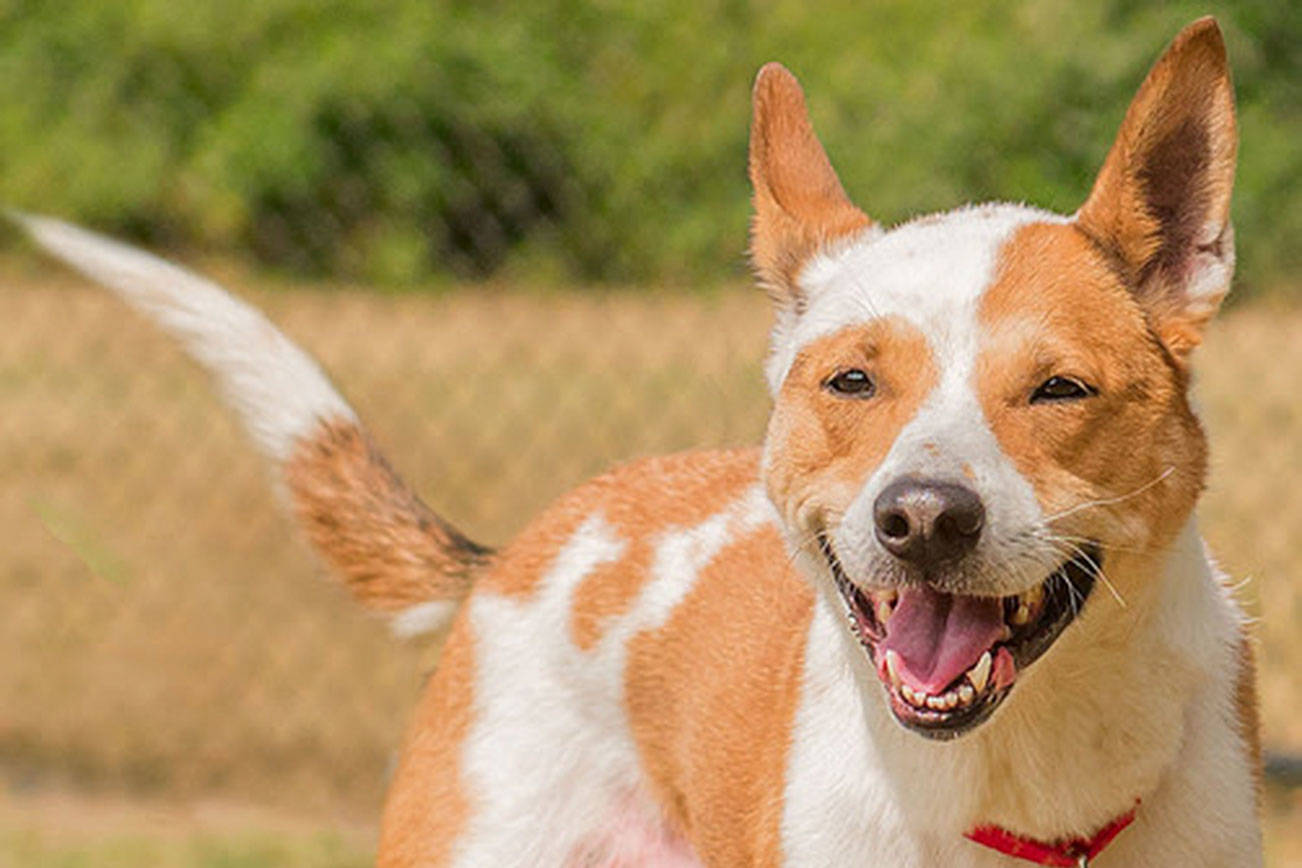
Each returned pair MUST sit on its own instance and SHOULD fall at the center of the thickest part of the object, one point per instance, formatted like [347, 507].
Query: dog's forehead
[931, 272]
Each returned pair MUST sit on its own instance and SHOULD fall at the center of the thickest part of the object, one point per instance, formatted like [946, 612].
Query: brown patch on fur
[1245, 706]
[637, 500]
[427, 807]
[607, 592]
[1056, 308]
[1161, 204]
[800, 205]
[674, 491]
[391, 549]
[520, 566]
[712, 699]
[822, 446]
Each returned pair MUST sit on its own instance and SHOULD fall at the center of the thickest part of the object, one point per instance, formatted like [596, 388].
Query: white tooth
[1022, 615]
[966, 694]
[951, 699]
[882, 609]
[980, 673]
[893, 667]
[913, 696]
[936, 702]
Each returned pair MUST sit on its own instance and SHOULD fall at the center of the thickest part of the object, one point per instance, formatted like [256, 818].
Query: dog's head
[981, 415]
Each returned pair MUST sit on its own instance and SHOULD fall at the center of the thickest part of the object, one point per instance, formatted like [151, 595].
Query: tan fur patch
[390, 548]
[1057, 309]
[427, 806]
[821, 446]
[635, 498]
[712, 699]
[671, 491]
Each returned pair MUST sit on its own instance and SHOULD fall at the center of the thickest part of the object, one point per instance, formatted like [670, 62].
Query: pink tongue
[939, 636]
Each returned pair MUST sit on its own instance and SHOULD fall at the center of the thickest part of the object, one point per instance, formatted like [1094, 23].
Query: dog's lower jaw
[1095, 724]
[962, 699]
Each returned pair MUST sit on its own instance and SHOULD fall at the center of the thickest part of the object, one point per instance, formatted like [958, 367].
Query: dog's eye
[853, 383]
[1062, 389]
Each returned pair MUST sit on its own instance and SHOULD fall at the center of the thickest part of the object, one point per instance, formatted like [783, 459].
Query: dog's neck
[1095, 724]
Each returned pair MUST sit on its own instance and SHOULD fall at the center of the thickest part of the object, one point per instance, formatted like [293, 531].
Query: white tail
[396, 555]
[278, 390]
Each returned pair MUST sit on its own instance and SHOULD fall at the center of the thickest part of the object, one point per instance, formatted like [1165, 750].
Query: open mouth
[948, 660]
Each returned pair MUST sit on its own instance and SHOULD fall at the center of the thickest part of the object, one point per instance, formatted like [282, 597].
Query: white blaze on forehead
[931, 272]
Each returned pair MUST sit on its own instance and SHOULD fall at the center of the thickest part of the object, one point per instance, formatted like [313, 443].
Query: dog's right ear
[800, 205]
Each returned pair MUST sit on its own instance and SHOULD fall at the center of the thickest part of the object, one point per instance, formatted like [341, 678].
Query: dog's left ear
[800, 205]
[1161, 203]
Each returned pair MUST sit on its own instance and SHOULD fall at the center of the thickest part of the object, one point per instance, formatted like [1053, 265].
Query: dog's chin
[948, 661]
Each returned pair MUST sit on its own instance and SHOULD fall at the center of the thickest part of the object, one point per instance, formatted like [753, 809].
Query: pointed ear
[1161, 204]
[800, 206]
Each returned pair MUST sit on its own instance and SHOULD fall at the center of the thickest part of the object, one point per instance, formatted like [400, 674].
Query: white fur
[1113, 712]
[550, 760]
[279, 392]
[540, 775]
[930, 272]
[423, 618]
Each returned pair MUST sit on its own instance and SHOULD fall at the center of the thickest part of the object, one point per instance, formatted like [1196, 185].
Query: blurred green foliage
[557, 140]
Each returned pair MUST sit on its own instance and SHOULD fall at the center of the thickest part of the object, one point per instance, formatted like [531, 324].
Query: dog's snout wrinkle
[928, 522]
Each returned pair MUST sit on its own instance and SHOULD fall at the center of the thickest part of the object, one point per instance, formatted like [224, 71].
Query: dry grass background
[167, 641]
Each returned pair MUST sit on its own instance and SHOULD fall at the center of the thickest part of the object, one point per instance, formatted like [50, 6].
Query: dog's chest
[893, 800]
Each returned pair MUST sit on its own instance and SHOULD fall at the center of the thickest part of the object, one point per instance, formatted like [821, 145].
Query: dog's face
[977, 412]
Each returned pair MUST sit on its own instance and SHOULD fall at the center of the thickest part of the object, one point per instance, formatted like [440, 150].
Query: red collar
[1069, 853]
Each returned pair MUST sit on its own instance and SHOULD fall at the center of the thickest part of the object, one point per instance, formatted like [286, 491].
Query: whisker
[797, 547]
[1094, 568]
[1111, 547]
[1108, 501]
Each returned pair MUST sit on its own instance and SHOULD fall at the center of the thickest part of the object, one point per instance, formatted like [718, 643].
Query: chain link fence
[166, 632]
[165, 629]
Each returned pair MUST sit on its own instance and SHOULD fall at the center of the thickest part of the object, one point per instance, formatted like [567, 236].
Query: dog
[954, 612]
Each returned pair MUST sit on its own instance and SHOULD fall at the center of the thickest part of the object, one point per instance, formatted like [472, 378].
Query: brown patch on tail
[391, 549]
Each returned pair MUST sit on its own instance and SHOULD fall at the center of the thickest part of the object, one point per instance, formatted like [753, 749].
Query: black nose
[928, 523]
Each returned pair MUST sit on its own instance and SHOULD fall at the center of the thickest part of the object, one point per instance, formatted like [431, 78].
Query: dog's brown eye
[1062, 389]
[853, 383]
